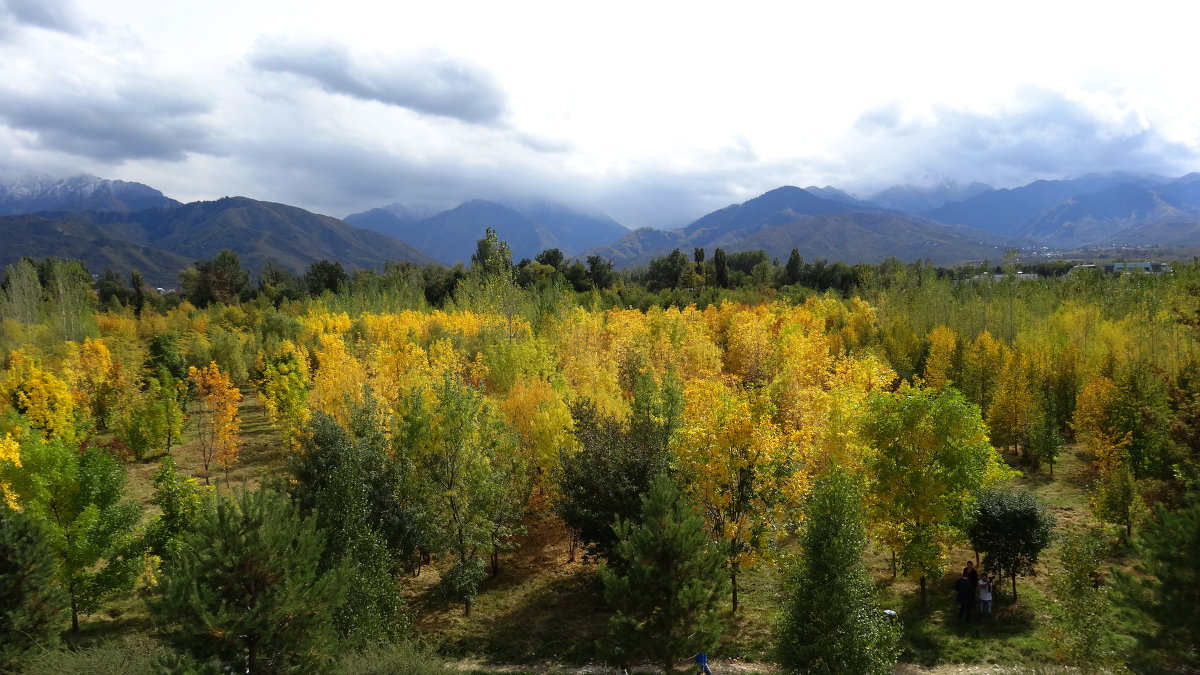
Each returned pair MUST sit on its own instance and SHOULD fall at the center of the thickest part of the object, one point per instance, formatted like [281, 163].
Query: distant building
[1126, 268]
[997, 278]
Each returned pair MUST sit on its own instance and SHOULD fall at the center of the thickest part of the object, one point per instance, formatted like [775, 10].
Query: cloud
[1040, 133]
[149, 120]
[56, 15]
[431, 83]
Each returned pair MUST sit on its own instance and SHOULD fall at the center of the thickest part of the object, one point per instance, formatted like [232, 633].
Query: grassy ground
[542, 610]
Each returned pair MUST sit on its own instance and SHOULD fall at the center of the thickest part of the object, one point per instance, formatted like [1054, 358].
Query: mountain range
[127, 225]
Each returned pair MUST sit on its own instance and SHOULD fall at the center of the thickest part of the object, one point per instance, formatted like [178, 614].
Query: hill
[175, 237]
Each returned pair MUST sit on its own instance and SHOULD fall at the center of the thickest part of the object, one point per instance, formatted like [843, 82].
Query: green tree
[325, 275]
[794, 268]
[79, 497]
[348, 484]
[31, 606]
[1011, 529]
[22, 293]
[155, 421]
[603, 480]
[464, 453]
[1115, 499]
[831, 618]
[220, 279]
[931, 458]
[492, 256]
[721, 268]
[671, 582]
[246, 589]
[1167, 586]
[181, 501]
[1083, 614]
[138, 299]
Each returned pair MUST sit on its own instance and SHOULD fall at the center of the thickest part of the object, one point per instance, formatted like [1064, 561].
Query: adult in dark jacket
[966, 596]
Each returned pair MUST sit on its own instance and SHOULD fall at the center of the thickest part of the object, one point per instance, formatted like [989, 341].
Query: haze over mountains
[127, 225]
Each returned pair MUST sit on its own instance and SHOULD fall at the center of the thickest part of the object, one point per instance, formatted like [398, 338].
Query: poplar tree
[831, 620]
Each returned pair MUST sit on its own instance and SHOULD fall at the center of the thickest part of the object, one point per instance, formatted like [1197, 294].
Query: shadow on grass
[934, 635]
[559, 620]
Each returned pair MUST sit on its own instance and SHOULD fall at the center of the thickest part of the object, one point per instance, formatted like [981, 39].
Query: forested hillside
[555, 463]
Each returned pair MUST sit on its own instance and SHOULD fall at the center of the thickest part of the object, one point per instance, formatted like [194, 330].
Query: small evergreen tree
[31, 606]
[1167, 588]
[1011, 528]
[667, 595]
[245, 588]
[832, 622]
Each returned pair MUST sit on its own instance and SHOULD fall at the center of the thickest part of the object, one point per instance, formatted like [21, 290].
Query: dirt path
[720, 667]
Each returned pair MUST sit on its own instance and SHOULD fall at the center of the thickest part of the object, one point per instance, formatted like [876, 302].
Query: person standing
[966, 596]
[985, 595]
[701, 660]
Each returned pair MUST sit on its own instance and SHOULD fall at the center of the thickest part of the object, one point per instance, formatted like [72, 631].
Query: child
[701, 660]
[985, 595]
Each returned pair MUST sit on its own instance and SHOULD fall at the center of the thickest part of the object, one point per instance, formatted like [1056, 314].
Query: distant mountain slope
[40, 237]
[788, 217]
[176, 237]
[833, 194]
[916, 199]
[1080, 212]
[78, 193]
[869, 237]
[450, 236]
[528, 225]
[777, 207]
[576, 230]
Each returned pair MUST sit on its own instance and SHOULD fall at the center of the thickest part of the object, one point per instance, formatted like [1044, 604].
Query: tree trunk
[733, 571]
[467, 607]
[571, 547]
[74, 616]
[252, 656]
[893, 564]
[1014, 576]
[922, 590]
[495, 562]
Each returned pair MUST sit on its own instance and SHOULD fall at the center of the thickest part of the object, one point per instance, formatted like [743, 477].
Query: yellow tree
[980, 369]
[338, 382]
[10, 453]
[735, 465]
[216, 405]
[284, 388]
[46, 402]
[940, 361]
[544, 426]
[1012, 410]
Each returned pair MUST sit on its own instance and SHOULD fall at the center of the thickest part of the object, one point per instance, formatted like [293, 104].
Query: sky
[652, 112]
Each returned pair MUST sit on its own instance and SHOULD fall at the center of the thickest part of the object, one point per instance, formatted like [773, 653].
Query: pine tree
[31, 606]
[245, 588]
[1167, 587]
[831, 620]
[667, 595]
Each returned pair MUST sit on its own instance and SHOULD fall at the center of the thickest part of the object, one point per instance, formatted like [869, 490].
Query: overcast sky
[654, 112]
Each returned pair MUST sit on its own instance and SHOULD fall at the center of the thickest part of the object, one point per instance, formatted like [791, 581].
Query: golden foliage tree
[216, 412]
